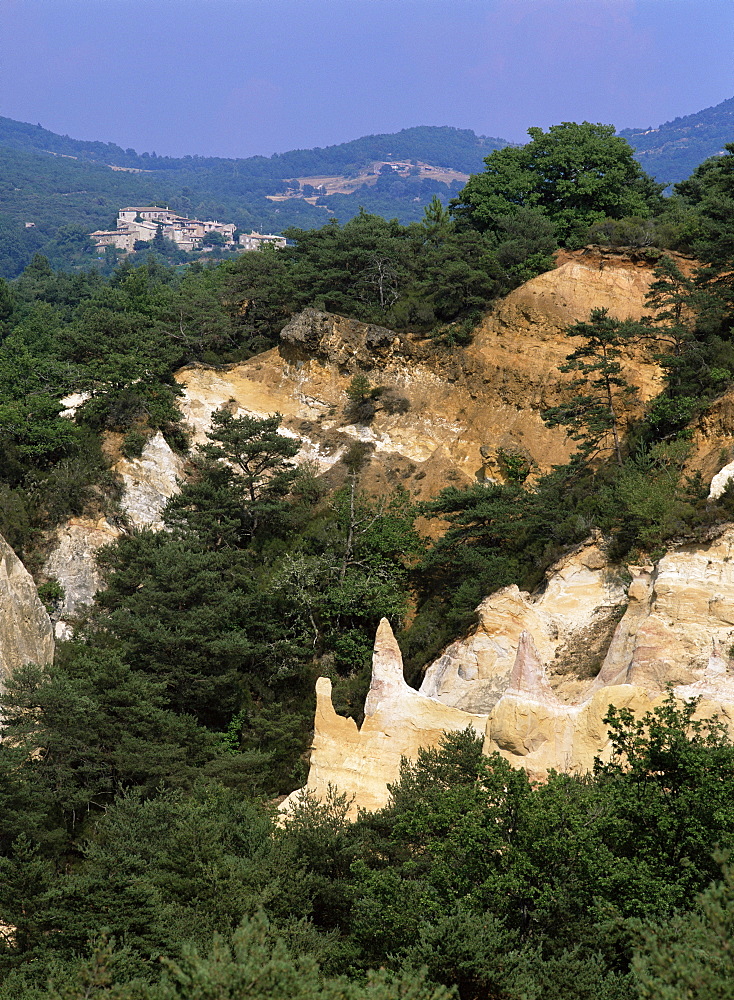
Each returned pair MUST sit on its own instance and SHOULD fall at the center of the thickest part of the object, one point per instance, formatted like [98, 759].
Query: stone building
[141, 223]
[256, 241]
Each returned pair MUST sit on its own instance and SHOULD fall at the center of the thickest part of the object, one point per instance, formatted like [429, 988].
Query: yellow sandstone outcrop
[571, 620]
[398, 721]
[445, 414]
[675, 630]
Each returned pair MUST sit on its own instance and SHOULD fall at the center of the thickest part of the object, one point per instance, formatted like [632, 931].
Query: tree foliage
[575, 174]
[595, 414]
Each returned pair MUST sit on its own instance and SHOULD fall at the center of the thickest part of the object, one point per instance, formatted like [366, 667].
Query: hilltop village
[141, 224]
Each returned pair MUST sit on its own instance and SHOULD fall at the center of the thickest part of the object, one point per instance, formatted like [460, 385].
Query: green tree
[668, 791]
[7, 305]
[690, 957]
[257, 963]
[691, 369]
[595, 414]
[436, 220]
[104, 727]
[576, 174]
[193, 618]
[264, 474]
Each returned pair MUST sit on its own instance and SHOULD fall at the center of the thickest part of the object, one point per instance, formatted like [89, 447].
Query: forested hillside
[441, 146]
[138, 848]
[67, 189]
[672, 151]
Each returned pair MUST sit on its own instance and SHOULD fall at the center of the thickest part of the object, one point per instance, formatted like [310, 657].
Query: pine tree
[595, 413]
[692, 956]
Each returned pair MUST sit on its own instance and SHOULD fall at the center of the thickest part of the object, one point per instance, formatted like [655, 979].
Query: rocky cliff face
[398, 721]
[536, 675]
[72, 561]
[440, 418]
[672, 624]
[147, 482]
[571, 620]
[442, 415]
[26, 635]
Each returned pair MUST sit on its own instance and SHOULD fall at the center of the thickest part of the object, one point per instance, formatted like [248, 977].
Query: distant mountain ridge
[55, 189]
[672, 151]
[441, 146]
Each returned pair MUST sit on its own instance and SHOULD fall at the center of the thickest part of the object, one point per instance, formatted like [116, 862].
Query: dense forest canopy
[139, 854]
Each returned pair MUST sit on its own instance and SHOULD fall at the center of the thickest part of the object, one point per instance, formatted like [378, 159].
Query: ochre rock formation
[673, 628]
[571, 620]
[677, 609]
[534, 729]
[26, 634]
[443, 414]
[398, 721]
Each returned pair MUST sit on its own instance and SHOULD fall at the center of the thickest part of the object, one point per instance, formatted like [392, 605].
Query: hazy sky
[238, 77]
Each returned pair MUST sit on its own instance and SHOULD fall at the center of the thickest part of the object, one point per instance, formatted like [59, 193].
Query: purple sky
[239, 77]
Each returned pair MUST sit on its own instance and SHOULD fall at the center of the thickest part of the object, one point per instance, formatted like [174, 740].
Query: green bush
[133, 443]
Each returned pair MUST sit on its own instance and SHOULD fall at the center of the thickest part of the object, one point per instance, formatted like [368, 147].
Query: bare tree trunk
[349, 547]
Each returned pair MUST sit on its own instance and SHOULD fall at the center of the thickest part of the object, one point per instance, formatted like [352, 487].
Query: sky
[246, 77]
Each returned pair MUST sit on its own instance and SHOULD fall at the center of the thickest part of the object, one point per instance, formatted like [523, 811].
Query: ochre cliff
[571, 619]
[398, 721]
[443, 414]
[441, 419]
[671, 624]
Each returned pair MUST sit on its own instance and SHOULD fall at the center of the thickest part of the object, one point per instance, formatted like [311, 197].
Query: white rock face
[26, 634]
[150, 481]
[720, 481]
[677, 630]
[73, 562]
[72, 402]
[578, 605]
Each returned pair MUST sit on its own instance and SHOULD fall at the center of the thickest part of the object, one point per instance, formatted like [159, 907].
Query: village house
[137, 223]
[141, 223]
[256, 241]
